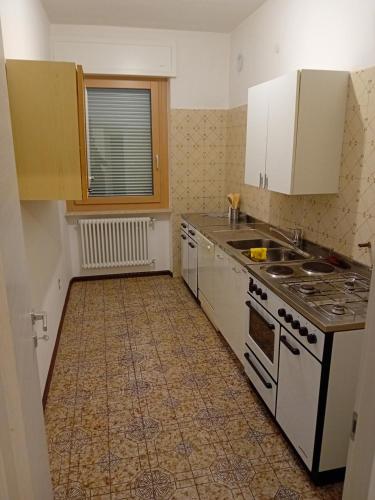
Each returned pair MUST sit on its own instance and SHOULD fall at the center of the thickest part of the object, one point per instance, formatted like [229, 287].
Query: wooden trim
[55, 348]
[82, 130]
[159, 113]
[93, 83]
[139, 274]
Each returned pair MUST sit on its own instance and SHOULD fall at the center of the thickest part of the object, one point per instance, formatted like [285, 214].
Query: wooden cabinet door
[282, 119]
[256, 140]
[44, 112]
[298, 395]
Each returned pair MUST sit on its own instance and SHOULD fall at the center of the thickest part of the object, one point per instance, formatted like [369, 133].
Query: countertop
[218, 229]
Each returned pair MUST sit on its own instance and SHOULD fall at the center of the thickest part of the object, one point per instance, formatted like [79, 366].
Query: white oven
[263, 337]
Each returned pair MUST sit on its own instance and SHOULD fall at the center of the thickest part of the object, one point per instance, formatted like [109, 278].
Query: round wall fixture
[239, 62]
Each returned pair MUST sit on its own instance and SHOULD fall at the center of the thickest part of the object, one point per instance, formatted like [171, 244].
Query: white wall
[202, 58]
[283, 35]
[26, 33]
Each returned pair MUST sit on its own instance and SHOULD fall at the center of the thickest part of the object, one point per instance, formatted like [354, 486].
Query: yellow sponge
[258, 253]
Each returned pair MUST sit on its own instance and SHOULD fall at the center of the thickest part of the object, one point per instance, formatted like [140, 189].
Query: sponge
[258, 253]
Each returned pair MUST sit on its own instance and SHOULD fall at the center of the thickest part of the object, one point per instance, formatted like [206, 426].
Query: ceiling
[196, 15]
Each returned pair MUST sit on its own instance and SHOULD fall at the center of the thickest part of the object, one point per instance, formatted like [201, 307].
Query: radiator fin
[115, 242]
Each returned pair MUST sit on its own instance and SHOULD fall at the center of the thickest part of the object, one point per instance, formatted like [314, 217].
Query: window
[124, 129]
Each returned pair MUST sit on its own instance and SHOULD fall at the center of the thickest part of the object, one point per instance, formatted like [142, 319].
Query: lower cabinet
[298, 395]
[231, 282]
[193, 266]
[189, 259]
[184, 256]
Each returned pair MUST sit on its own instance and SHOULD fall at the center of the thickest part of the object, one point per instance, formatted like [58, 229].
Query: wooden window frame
[159, 88]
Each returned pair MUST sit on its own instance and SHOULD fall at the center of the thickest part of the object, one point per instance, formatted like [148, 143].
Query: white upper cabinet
[256, 142]
[295, 132]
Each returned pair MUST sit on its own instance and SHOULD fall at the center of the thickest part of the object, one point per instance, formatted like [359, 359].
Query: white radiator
[115, 242]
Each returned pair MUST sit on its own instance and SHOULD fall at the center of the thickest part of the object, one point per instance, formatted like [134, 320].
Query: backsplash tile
[339, 221]
[207, 157]
[197, 160]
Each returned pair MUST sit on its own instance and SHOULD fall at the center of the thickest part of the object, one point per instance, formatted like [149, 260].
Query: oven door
[263, 337]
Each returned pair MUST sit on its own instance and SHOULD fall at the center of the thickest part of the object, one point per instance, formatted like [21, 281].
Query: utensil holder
[233, 214]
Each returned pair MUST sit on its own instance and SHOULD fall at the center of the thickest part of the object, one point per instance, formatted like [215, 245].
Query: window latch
[157, 162]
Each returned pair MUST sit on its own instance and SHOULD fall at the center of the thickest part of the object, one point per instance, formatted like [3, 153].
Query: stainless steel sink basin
[279, 255]
[258, 243]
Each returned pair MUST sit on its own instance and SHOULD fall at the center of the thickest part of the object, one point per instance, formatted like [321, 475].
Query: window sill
[96, 213]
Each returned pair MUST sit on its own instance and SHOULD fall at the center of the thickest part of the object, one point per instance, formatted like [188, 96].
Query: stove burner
[317, 267]
[279, 271]
[307, 289]
[338, 309]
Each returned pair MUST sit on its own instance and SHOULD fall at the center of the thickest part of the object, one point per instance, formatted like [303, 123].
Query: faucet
[296, 235]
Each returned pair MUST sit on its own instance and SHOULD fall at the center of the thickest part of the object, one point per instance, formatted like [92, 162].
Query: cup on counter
[233, 214]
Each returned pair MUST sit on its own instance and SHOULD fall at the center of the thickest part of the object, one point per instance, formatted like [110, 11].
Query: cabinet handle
[191, 245]
[266, 384]
[219, 257]
[265, 181]
[183, 236]
[293, 350]
[208, 247]
[236, 270]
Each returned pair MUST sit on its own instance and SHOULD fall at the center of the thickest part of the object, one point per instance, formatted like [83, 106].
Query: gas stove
[328, 296]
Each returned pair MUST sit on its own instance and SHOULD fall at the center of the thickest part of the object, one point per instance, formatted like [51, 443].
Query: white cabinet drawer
[261, 380]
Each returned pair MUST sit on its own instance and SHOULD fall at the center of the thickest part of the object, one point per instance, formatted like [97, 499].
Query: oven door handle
[293, 350]
[266, 384]
[271, 326]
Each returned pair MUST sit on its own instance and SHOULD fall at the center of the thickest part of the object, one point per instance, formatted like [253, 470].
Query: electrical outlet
[59, 283]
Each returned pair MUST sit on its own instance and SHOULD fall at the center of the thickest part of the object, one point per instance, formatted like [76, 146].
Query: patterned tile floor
[147, 402]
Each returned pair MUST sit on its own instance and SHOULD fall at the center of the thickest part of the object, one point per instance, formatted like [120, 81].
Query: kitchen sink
[279, 255]
[258, 243]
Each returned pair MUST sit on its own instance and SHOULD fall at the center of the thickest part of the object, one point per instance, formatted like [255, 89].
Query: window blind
[119, 142]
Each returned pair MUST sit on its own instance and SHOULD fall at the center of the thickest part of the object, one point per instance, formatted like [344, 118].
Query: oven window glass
[262, 334]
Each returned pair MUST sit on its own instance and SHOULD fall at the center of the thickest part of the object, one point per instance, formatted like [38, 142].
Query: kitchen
[270, 102]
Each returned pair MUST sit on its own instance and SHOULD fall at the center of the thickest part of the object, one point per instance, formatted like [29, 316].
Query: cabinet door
[221, 278]
[256, 141]
[298, 395]
[44, 111]
[282, 119]
[206, 260]
[184, 256]
[239, 312]
[193, 266]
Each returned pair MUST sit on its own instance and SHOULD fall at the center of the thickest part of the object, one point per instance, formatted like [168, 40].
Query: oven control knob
[251, 281]
[281, 313]
[295, 324]
[253, 288]
[259, 291]
[288, 318]
[303, 331]
[263, 296]
[311, 338]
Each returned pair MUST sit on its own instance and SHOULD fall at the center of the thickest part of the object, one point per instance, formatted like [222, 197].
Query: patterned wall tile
[208, 161]
[339, 221]
[198, 166]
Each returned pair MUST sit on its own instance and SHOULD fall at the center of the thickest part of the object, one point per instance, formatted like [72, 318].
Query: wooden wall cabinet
[295, 128]
[44, 101]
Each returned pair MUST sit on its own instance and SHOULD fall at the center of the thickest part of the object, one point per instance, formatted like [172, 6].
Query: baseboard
[55, 348]
[139, 274]
[87, 278]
